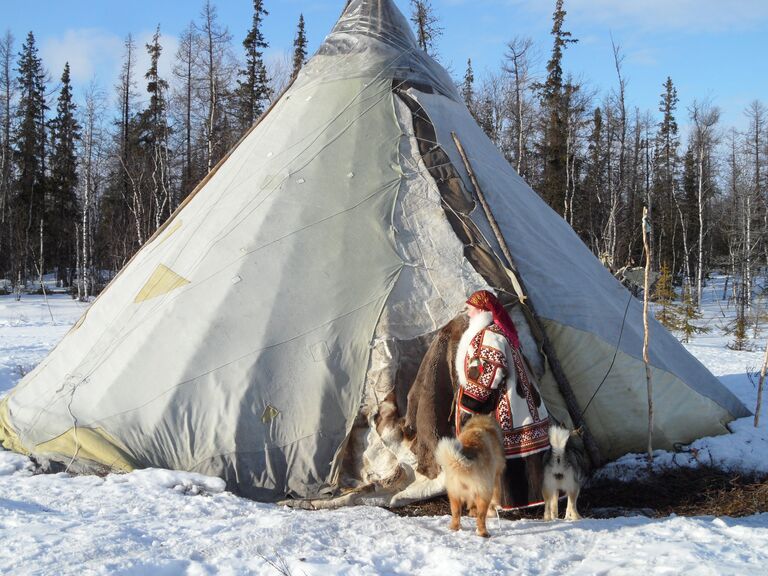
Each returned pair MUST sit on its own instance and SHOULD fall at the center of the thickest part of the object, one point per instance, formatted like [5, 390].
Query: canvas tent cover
[244, 338]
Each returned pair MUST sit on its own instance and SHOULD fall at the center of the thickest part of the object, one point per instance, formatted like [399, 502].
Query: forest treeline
[83, 185]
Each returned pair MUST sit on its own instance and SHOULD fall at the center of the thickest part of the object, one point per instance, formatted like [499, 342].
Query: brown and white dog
[473, 464]
[566, 468]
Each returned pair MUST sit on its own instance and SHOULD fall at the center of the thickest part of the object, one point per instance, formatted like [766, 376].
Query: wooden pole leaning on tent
[646, 287]
[760, 384]
[546, 344]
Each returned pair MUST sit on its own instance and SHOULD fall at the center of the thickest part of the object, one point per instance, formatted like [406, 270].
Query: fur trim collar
[476, 324]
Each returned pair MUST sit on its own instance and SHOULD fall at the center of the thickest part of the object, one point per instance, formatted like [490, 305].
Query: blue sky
[712, 49]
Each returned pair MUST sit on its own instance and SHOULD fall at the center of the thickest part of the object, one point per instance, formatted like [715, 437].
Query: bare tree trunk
[748, 251]
[755, 112]
[41, 272]
[188, 126]
[700, 206]
[634, 186]
[686, 260]
[161, 189]
[618, 59]
[6, 83]
[183, 71]
[210, 47]
[610, 226]
[40, 268]
[90, 136]
[568, 207]
[517, 57]
[648, 194]
[705, 117]
[87, 179]
[79, 263]
[134, 203]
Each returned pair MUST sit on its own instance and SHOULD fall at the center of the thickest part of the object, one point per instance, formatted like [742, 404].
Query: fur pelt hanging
[430, 400]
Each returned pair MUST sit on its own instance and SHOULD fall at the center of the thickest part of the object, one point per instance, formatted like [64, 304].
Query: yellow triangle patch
[162, 281]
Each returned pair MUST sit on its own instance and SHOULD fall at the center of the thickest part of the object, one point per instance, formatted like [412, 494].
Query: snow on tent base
[272, 332]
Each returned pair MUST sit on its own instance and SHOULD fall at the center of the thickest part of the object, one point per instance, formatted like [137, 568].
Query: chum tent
[268, 328]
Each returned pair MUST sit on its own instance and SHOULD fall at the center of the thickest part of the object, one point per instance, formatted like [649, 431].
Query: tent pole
[549, 350]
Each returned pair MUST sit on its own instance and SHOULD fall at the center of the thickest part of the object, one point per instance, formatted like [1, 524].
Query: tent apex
[380, 19]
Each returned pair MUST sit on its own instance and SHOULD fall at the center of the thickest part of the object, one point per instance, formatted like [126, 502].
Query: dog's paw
[483, 534]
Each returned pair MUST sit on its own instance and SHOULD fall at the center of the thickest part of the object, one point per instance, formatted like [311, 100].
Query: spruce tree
[664, 296]
[554, 105]
[157, 87]
[468, 86]
[740, 340]
[299, 48]
[30, 139]
[666, 160]
[688, 315]
[253, 92]
[62, 207]
[426, 23]
[155, 132]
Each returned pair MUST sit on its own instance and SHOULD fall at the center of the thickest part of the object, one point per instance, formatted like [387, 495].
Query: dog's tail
[449, 454]
[558, 437]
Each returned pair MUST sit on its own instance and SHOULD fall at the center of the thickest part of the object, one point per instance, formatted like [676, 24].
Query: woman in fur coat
[494, 377]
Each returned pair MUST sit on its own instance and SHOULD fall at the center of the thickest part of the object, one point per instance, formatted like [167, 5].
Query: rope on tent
[566, 390]
[615, 353]
[74, 427]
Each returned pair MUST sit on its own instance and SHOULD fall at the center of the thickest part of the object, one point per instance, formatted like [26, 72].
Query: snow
[167, 522]
[27, 332]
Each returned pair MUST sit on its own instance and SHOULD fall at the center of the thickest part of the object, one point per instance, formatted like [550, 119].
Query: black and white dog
[566, 468]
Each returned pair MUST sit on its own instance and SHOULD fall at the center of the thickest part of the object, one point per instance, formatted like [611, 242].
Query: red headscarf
[485, 300]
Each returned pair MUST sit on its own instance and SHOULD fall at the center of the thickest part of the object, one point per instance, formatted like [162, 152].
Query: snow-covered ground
[162, 522]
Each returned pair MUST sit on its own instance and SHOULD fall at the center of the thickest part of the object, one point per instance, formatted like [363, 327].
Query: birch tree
[518, 64]
[704, 117]
[618, 170]
[755, 149]
[183, 73]
[214, 71]
[7, 93]
[92, 141]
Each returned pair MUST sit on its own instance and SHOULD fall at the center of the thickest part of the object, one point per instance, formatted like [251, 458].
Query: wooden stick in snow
[760, 384]
[549, 350]
[646, 233]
